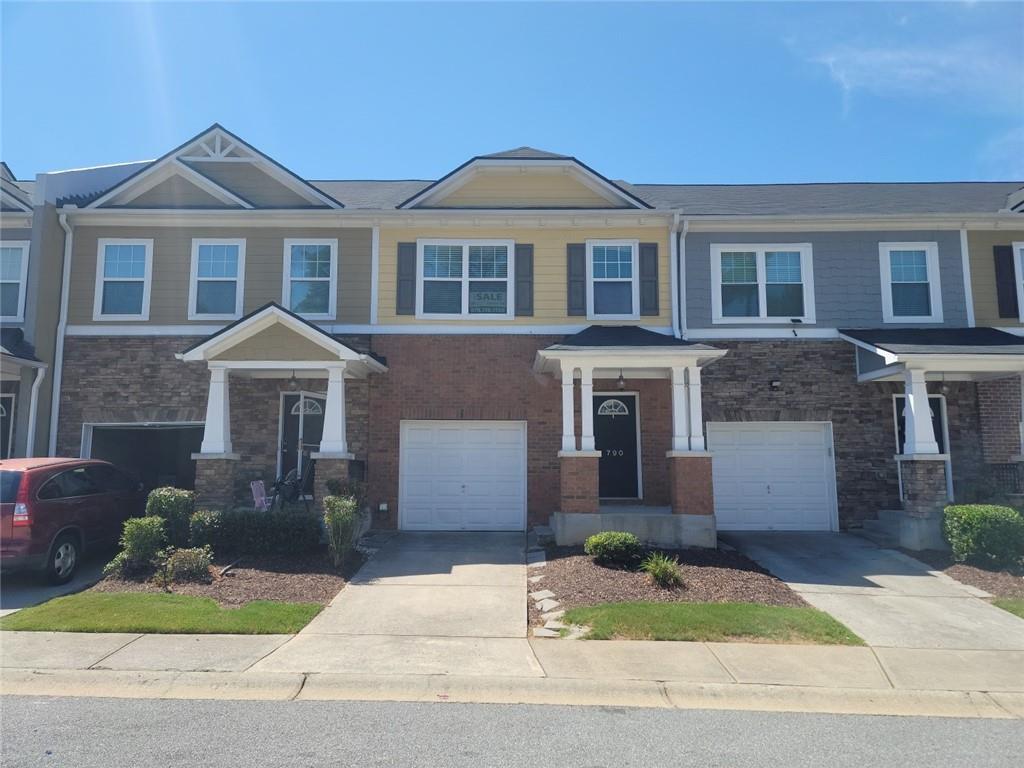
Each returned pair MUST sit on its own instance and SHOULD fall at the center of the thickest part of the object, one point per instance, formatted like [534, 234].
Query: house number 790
[614, 452]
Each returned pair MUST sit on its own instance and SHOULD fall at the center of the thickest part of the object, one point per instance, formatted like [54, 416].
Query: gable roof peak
[524, 153]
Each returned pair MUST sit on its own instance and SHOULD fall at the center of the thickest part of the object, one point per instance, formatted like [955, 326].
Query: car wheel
[64, 557]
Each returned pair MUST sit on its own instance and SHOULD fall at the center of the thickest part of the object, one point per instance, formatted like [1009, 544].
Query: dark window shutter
[524, 280]
[1006, 281]
[405, 303]
[577, 278]
[649, 278]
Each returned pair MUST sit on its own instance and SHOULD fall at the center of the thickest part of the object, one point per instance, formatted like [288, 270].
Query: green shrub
[663, 570]
[246, 531]
[985, 534]
[341, 521]
[175, 506]
[613, 548]
[352, 488]
[204, 528]
[190, 564]
[141, 540]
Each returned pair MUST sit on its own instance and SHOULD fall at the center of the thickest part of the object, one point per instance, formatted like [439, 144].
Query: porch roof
[967, 351]
[16, 351]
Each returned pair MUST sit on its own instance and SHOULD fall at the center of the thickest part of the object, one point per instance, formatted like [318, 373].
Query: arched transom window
[612, 408]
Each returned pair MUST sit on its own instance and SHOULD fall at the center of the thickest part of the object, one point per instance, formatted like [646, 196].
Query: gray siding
[847, 281]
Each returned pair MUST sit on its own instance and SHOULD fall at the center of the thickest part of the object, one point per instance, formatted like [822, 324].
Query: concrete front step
[882, 538]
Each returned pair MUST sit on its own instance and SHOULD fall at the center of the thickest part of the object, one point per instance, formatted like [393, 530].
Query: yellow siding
[983, 274]
[549, 270]
[494, 189]
[276, 343]
[264, 266]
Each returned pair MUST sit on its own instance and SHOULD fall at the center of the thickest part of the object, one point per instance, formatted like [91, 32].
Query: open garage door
[157, 454]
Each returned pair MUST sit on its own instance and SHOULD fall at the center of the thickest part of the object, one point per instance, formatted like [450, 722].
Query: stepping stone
[556, 625]
[552, 615]
[547, 605]
[576, 632]
[534, 579]
[545, 633]
[543, 594]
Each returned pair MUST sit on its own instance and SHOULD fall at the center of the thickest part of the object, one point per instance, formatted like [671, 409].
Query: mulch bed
[998, 583]
[709, 576]
[309, 579]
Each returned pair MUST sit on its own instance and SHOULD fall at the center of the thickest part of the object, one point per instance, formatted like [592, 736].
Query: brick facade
[924, 487]
[690, 483]
[578, 484]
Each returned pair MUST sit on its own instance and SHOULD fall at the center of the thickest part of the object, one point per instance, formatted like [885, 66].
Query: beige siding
[176, 192]
[249, 182]
[496, 189]
[549, 270]
[276, 343]
[264, 265]
[983, 274]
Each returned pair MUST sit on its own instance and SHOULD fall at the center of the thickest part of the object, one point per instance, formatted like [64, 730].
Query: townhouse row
[523, 341]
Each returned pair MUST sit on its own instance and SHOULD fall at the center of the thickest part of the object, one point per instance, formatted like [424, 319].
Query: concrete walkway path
[887, 598]
[426, 603]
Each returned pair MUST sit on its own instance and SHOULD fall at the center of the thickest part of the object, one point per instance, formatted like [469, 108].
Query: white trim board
[412, 329]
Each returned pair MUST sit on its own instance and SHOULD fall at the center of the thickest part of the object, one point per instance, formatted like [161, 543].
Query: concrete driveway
[22, 589]
[889, 599]
[426, 603]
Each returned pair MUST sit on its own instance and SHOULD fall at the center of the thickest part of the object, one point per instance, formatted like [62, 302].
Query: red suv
[53, 511]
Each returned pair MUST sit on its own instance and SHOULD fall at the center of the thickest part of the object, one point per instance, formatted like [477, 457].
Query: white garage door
[773, 476]
[462, 476]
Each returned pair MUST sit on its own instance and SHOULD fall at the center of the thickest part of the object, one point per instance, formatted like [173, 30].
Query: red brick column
[579, 481]
[216, 480]
[690, 488]
[327, 468]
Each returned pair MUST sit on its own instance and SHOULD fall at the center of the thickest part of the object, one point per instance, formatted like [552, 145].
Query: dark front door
[302, 426]
[615, 437]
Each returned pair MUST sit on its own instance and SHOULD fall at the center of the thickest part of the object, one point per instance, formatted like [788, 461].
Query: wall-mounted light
[293, 383]
[622, 381]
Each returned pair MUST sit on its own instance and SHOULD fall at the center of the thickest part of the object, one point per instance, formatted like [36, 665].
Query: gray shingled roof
[940, 341]
[625, 336]
[372, 194]
[13, 342]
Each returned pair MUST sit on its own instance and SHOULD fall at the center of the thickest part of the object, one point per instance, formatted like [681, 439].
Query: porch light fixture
[293, 383]
[622, 381]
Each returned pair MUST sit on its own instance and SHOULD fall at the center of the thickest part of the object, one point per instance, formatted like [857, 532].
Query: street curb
[505, 690]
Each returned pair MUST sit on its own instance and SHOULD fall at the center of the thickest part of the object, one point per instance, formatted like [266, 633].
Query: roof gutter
[62, 326]
[673, 240]
[681, 286]
[33, 411]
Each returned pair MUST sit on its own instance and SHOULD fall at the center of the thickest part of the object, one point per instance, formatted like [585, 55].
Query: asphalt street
[109, 733]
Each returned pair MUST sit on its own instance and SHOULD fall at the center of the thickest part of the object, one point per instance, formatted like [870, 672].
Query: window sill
[784, 321]
[118, 318]
[616, 317]
[911, 320]
[194, 316]
[424, 316]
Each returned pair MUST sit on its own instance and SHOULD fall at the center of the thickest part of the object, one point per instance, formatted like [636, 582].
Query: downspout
[673, 239]
[33, 408]
[62, 326]
[682, 277]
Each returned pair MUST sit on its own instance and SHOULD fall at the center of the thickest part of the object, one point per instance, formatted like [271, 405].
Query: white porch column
[334, 440]
[696, 409]
[680, 411]
[919, 432]
[217, 430]
[587, 408]
[568, 412]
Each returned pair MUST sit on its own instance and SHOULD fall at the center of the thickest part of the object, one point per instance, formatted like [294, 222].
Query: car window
[9, 482]
[108, 479]
[74, 482]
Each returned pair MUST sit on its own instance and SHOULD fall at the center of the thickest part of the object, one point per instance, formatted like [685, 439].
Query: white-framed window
[311, 278]
[124, 275]
[771, 283]
[911, 292]
[13, 280]
[1018, 267]
[217, 279]
[459, 279]
[613, 279]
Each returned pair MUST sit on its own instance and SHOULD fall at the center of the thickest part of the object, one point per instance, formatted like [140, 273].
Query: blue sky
[665, 92]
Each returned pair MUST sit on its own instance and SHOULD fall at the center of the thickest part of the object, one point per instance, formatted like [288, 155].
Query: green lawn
[712, 622]
[159, 613]
[1014, 605]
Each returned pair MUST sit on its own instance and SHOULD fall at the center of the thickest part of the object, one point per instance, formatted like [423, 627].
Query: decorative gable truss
[215, 169]
[525, 179]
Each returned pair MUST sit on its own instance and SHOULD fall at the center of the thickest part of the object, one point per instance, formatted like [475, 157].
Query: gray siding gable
[847, 281]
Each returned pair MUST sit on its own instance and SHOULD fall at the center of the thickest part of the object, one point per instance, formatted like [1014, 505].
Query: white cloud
[974, 72]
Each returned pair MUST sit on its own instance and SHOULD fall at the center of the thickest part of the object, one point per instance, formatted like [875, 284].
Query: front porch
[277, 365]
[603, 372]
[993, 361]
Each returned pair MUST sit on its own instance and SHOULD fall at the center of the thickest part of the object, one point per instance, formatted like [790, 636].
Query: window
[311, 278]
[613, 288]
[762, 283]
[123, 277]
[218, 278]
[74, 482]
[910, 283]
[13, 271]
[464, 278]
[1018, 265]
